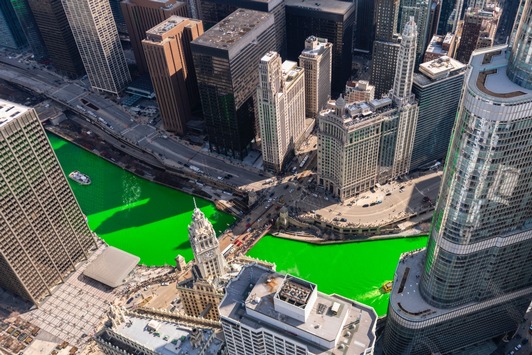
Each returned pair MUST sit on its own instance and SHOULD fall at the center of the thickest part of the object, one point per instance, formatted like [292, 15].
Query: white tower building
[405, 101]
[205, 246]
[96, 36]
[281, 109]
[316, 59]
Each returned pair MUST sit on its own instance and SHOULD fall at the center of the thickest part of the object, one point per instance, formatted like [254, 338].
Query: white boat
[80, 178]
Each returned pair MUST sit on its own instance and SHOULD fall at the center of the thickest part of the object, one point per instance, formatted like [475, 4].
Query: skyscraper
[385, 47]
[330, 19]
[520, 64]
[98, 43]
[57, 36]
[214, 11]
[472, 283]
[265, 312]
[316, 59]
[281, 109]
[365, 20]
[226, 59]
[359, 91]
[169, 60]
[437, 87]
[11, 35]
[118, 16]
[420, 10]
[141, 15]
[44, 233]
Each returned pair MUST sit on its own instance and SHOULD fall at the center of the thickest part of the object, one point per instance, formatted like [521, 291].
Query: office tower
[281, 109]
[331, 19]
[316, 59]
[141, 15]
[214, 11]
[119, 18]
[98, 43]
[506, 22]
[385, 47]
[519, 65]
[480, 26]
[440, 46]
[265, 312]
[57, 36]
[437, 87]
[447, 7]
[169, 60]
[474, 277]
[420, 10]
[364, 35]
[226, 59]
[359, 91]
[434, 17]
[20, 28]
[44, 233]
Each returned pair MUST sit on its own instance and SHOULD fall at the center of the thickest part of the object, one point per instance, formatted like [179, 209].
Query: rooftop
[112, 267]
[250, 297]
[291, 71]
[327, 6]
[440, 68]
[10, 110]
[315, 46]
[165, 26]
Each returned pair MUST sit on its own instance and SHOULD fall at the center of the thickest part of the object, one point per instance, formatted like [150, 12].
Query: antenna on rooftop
[195, 207]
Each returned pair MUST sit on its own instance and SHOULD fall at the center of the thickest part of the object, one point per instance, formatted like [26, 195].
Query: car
[299, 188]
[220, 178]
[129, 300]
[373, 203]
[228, 176]
[273, 193]
[388, 193]
[378, 202]
[343, 219]
[366, 205]
[518, 347]
[426, 199]
[164, 284]
[286, 187]
[525, 341]
[336, 219]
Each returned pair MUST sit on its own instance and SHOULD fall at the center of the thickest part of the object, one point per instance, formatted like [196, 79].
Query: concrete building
[264, 312]
[479, 29]
[437, 87]
[359, 91]
[94, 30]
[200, 298]
[214, 11]
[57, 36]
[385, 47]
[226, 59]
[472, 283]
[169, 59]
[142, 15]
[281, 109]
[316, 59]
[440, 46]
[44, 232]
[330, 19]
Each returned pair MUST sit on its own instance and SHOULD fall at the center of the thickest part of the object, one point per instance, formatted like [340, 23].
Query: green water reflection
[133, 214]
[354, 270]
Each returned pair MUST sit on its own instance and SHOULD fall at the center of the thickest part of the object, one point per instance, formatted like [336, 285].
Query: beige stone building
[359, 91]
[43, 231]
[169, 60]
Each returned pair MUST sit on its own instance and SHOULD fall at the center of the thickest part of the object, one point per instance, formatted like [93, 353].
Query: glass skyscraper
[473, 282]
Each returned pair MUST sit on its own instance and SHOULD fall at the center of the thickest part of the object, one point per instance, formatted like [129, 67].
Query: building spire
[406, 61]
[195, 206]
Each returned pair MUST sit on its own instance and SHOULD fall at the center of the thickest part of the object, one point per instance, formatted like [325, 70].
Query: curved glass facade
[520, 64]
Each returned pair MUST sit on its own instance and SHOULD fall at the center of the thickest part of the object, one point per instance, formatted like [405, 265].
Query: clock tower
[205, 246]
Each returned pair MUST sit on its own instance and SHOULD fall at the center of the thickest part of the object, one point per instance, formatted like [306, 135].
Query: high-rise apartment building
[385, 47]
[437, 87]
[281, 109]
[141, 15]
[359, 91]
[316, 59]
[44, 233]
[331, 19]
[214, 11]
[472, 283]
[94, 30]
[480, 27]
[226, 59]
[520, 64]
[265, 312]
[57, 36]
[169, 59]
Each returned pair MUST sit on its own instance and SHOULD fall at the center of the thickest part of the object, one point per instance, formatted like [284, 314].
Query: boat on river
[387, 286]
[80, 178]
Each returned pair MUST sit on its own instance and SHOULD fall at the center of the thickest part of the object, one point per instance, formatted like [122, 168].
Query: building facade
[57, 36]
[44, 232]
[420, 10]
[365, 20]
[142, 15]
[264, 312]
[359, 91]
[226, 59]
[11, 34]
[94, 30]
[437, 87]
[316, 60]
[472, 283]
[520, 64]
[169, 59]
[330, 19]
[281, 109]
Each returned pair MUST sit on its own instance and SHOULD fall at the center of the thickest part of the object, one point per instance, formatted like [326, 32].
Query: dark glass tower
[226, 60]
[11, 35]
[474, 280]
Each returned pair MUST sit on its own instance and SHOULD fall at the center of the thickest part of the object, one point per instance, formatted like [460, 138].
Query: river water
[150, 221]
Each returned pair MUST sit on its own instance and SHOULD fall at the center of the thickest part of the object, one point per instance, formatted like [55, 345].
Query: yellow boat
[387, 286]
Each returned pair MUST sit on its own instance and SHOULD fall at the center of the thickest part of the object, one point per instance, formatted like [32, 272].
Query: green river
[150, 221]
